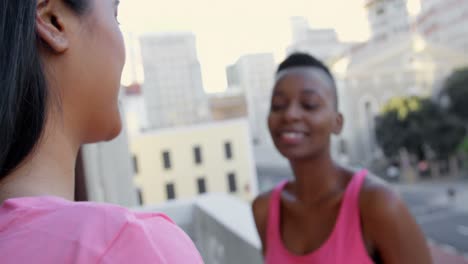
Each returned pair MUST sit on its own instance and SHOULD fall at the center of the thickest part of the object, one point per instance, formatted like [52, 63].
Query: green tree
[441, 130]
[398, 127]
[464, 146]
[415, 124]
[456, 88]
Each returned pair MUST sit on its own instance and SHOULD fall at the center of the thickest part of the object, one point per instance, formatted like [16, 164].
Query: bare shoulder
[260, 208]
[377, 197]
[388, 226]
[260, 212]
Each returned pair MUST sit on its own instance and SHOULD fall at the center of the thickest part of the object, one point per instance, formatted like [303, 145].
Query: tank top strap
[349, 221]
[354, 188]
[274, 212]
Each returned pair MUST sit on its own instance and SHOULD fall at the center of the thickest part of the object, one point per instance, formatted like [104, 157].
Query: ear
[50, 25]
[338, 124]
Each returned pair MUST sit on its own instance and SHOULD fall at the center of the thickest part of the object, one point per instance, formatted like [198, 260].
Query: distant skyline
[226, 30]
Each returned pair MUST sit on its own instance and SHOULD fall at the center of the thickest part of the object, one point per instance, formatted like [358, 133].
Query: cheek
[114, 48]
[119, 49]
[111, 59]
[272, 122]
[321, 124]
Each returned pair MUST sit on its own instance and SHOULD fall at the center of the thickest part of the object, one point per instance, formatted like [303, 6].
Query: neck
[316, 178]
[48, 171]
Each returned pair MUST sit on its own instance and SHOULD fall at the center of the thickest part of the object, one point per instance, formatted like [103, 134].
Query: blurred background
[196, 93]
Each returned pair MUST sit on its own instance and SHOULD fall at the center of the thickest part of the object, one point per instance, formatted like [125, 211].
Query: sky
[226, 30]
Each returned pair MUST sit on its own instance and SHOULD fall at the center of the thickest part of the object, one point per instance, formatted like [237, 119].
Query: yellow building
[183, 162]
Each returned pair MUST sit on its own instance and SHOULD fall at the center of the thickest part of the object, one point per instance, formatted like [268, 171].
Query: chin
[114, 130]
[298, 153]
[105, 130]
[292, 154]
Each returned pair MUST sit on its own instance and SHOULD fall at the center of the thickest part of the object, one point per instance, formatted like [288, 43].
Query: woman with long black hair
[60, 68]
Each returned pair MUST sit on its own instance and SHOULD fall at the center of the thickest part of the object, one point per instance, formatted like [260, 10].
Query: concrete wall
[219, 245]
[221, 226]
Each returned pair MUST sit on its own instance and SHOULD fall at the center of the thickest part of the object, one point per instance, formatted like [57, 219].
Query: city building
[321, 43]
[371, 76]
[133, 108]
[173, 88]
[445, 22]
[230, 104]
[387, 18]
[183, 162]
[254, 75]
[440, 21]
[233, 78]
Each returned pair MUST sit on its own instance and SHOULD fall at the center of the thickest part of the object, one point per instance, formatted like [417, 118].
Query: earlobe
[50, 28]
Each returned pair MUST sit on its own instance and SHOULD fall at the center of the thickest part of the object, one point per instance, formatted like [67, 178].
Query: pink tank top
[344, 245]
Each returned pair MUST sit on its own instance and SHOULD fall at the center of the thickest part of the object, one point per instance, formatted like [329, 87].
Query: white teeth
[293, 135]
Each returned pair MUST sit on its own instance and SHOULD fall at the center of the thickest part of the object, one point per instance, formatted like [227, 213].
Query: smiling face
[303, 113]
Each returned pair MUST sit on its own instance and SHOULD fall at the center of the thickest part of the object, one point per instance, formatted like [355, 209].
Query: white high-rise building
[387, 18]
[445, 22]
[439, 21]
[321, 43]
[173, 88]
[254, 74]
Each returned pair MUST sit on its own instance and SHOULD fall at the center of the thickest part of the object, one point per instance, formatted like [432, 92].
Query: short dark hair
[23, 87]
[306, 60]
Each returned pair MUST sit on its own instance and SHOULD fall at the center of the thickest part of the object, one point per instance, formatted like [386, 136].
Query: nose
[292, 113]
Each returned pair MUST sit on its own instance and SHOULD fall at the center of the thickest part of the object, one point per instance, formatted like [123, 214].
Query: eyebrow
[309, 92]
[304, 91]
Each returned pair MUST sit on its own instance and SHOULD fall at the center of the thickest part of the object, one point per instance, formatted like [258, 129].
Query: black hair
[305, 60]
[23, 87]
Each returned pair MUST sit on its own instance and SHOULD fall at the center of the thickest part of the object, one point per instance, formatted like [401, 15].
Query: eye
[278, 103]
[309, 106]
[277, 107]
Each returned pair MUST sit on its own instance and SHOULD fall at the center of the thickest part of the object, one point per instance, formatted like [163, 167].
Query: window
[201, 185]
[232, 182]
[228, 150]
[135, 164]
[198, 155]
[170, 190]
[167, 160]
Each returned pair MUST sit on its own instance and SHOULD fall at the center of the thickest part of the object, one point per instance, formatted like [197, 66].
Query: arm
[391, 229]
[260, 213]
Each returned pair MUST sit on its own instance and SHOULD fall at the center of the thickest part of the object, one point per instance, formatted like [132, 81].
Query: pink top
[54, 230]
[345, 244]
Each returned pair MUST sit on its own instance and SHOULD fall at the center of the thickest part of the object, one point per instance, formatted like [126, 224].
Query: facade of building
[254, 76]
[173, 87]
[321, 43]
[445, 22]
[133, 109]
[181, 163]
[387, 18]
[230, 104]
[233, 78]
[371, 76]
